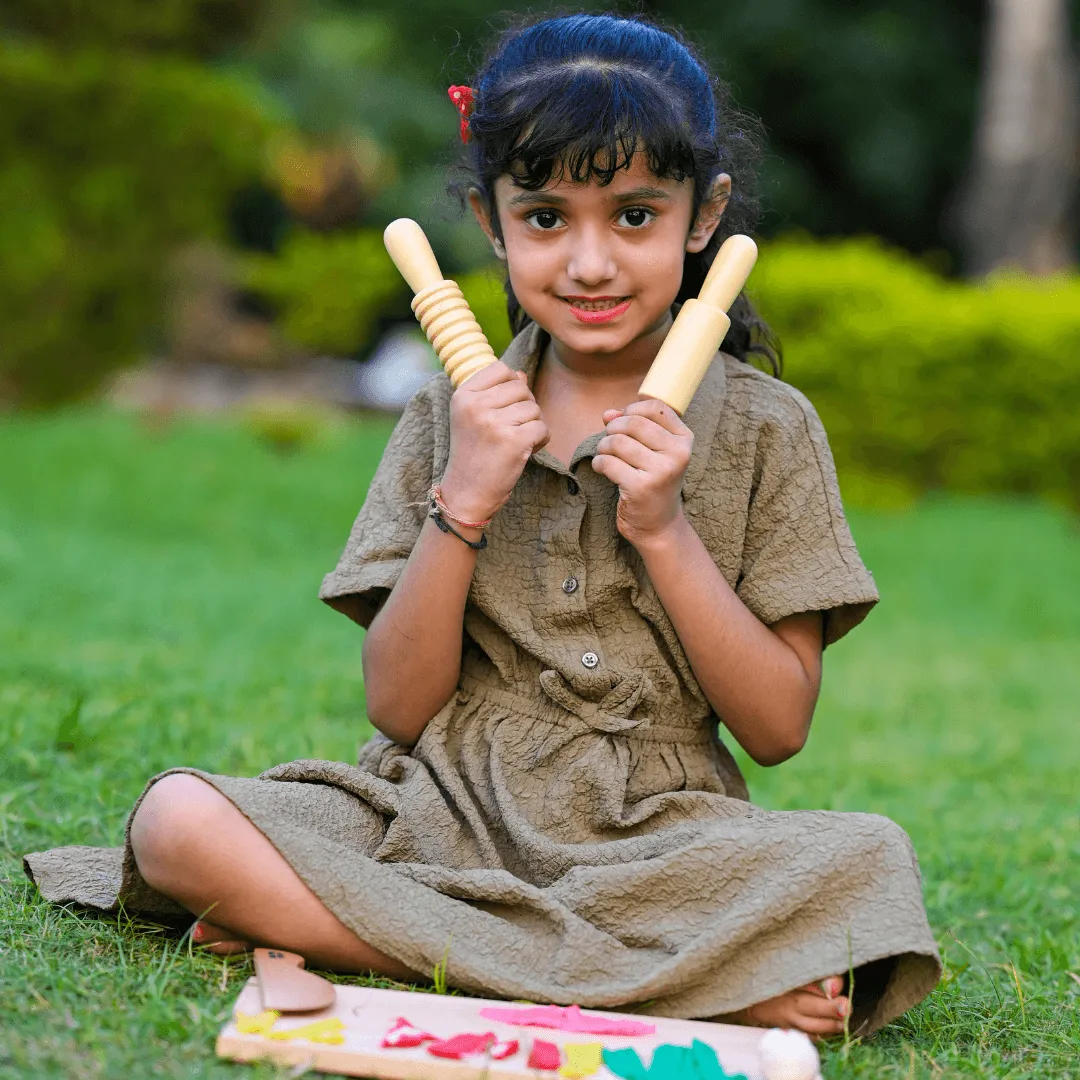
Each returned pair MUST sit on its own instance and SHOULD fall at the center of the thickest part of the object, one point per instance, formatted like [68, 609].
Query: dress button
[590, 659]
[571, 485]
[570, 585]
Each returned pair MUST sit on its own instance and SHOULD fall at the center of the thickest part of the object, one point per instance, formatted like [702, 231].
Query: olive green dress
[569, 827]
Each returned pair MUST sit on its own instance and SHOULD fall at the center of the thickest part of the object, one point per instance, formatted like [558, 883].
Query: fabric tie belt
[614, 712]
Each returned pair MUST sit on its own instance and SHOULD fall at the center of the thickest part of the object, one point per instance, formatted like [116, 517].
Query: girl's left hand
[645, 450]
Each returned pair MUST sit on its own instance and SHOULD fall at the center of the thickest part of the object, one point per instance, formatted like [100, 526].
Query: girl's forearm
[753, 679]
[412, 651]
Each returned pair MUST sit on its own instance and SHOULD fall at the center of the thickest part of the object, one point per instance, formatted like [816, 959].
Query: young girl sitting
[565, 589]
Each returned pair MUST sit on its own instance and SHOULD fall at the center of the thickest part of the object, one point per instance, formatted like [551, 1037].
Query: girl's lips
[598, 315]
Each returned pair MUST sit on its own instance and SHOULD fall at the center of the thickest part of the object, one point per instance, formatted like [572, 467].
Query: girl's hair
[574, 97]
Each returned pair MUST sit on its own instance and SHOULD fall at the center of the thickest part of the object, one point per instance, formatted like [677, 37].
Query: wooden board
[369, 1013]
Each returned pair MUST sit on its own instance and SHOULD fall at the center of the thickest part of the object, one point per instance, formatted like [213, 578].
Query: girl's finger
[629, 450]
[490, 376]
[616, 470]
[537, 431]
[645, 430]
[504, 393]
[659, 413]
[520, 412]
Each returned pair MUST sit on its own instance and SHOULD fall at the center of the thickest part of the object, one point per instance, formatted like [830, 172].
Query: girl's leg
[194, 846]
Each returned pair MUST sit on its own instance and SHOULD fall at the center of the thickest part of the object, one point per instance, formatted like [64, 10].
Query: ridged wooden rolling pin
[443, 311]
[700, 327]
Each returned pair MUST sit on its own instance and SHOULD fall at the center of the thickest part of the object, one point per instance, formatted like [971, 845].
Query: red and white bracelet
[436, 500]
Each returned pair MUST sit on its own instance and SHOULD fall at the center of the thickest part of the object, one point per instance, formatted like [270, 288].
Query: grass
[157, 607]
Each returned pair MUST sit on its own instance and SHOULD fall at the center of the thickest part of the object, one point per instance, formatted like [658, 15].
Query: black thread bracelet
[436, 515]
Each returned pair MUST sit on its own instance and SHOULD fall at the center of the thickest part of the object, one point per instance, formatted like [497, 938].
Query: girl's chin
[599, 337]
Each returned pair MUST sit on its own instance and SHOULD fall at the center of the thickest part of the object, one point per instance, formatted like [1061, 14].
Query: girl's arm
[412, 650]
[762, 681]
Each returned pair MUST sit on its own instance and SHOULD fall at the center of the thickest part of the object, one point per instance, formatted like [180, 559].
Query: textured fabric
[573, 833]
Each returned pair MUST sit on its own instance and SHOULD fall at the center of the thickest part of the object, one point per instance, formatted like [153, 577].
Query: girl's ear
[708, 217]
[482, 212]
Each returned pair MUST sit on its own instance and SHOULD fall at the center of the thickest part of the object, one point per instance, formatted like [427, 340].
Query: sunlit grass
[157, 606]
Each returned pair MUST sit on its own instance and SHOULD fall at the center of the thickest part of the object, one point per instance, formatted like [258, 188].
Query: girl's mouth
[597, 309]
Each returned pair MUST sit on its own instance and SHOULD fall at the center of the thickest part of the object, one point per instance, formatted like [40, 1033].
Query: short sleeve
[798, 554]
[393, 512]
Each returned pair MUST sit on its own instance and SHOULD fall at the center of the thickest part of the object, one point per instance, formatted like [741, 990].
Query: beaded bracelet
[436, 499]
[436, 515]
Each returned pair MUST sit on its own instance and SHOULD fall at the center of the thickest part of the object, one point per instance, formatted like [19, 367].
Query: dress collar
[701, 417]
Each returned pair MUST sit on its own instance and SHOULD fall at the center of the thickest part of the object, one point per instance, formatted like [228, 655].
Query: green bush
[108, 161]
[924, 383]
[328, 288]
[486, 296]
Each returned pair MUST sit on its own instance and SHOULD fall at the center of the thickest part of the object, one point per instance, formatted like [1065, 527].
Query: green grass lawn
[157, 607]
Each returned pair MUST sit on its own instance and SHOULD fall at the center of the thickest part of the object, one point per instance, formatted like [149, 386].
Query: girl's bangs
[591, 126]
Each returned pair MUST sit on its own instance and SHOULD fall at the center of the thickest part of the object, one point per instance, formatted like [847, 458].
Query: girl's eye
[636, 217]
[543, 219]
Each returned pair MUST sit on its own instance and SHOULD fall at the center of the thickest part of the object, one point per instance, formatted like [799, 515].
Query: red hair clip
[462, 97]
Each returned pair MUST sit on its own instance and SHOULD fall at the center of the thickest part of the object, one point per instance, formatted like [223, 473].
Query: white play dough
[788, 1055]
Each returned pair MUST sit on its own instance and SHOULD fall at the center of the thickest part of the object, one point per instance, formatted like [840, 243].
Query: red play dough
[544, 1055]
[459, 1046]
[403, 1035]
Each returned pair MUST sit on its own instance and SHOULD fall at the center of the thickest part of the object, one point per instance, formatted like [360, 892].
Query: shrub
[328, 288]
[924, 383]
[111, 160]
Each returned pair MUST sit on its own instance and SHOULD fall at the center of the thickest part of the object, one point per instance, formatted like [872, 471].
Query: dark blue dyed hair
[574, 97]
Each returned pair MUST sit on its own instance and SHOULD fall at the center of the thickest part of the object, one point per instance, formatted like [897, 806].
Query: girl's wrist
[665, 541]
[462, 505]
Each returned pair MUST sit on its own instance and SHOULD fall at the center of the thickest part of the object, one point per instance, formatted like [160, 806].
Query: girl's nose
[591, 260]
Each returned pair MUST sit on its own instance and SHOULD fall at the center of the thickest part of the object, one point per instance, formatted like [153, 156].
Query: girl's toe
[217, 940]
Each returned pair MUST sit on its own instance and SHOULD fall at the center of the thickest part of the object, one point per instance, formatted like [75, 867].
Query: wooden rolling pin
[678, 369]
[443, 311]
[700, 327]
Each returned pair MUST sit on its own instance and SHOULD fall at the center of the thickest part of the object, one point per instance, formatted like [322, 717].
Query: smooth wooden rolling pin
[700, 327]
[443, 311]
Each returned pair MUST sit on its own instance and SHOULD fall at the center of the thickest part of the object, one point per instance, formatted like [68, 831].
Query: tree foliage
[109, 158]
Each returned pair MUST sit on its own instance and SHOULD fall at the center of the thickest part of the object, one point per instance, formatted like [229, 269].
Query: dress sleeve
[798, 554]
[393, 513]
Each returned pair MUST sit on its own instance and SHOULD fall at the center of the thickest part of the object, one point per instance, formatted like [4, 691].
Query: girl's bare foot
[216, 940]
[819, 1009]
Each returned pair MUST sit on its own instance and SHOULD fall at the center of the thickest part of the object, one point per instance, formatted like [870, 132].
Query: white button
[590, 659]
[570, 585]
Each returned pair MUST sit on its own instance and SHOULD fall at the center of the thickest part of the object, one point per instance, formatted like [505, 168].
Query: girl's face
[599, 267]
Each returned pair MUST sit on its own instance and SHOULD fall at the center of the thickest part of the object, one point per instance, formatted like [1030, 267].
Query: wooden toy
[390, 1035]
[439, 304]
[284, 985]
[700, 326]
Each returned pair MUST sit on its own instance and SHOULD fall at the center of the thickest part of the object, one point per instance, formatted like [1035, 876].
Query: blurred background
[193, 193]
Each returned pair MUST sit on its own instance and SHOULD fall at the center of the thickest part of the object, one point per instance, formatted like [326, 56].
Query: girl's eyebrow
[543, 198]
[641, 193]
[537, 198]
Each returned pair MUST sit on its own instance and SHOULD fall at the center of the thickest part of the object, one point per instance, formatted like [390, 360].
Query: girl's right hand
[495, 425]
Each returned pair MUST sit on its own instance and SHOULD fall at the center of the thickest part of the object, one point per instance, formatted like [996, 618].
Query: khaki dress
[569, 827]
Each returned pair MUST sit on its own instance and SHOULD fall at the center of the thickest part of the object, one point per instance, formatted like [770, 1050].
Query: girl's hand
[495, 425]
[645, 450]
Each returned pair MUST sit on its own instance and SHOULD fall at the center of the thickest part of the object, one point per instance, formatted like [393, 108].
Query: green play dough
[670, 1062]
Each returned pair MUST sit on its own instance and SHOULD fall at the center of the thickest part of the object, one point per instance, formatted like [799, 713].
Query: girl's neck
[574, 389]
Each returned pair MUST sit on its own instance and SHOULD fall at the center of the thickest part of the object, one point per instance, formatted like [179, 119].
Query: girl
[558, 615]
